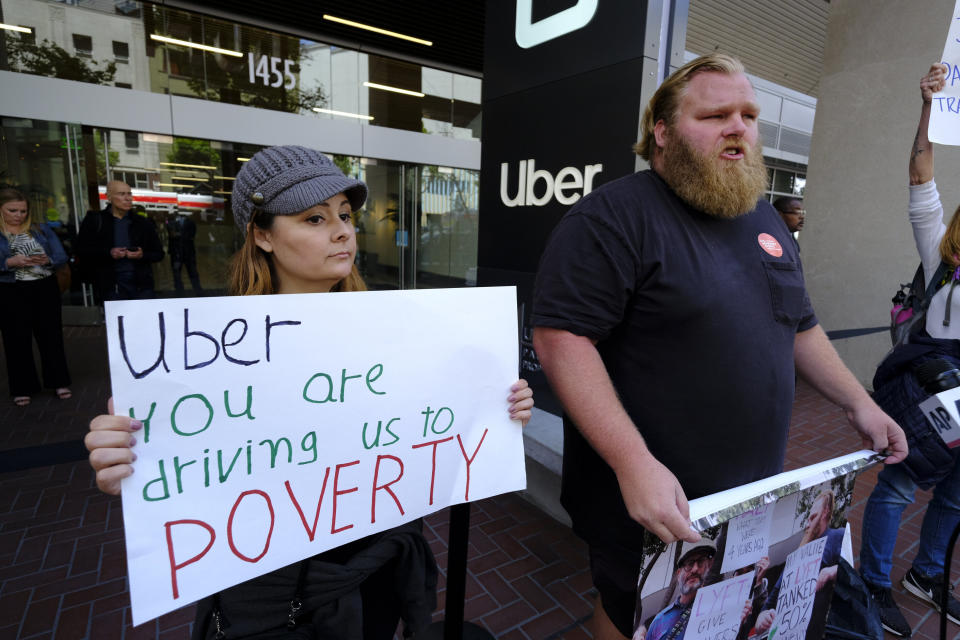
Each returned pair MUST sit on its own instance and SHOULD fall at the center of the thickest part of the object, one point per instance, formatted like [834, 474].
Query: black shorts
[615, 571]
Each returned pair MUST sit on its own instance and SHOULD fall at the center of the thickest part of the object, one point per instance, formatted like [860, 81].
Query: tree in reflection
[51, 60]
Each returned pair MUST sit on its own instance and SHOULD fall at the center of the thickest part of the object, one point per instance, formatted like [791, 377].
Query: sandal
[21, 401]
[63, 393]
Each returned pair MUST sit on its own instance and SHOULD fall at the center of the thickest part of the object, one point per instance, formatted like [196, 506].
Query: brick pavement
[62, 565]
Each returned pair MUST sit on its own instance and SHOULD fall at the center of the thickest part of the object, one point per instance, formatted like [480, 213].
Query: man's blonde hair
[665, 103]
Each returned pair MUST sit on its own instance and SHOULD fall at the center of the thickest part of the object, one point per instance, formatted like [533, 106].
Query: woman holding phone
[29, 254]
[295, 208]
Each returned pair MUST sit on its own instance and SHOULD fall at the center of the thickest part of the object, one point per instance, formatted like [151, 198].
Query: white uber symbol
[529, 34]
[564, 187]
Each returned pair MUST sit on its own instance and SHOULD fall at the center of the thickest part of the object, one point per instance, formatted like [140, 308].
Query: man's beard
[686, 588]
[718, 187]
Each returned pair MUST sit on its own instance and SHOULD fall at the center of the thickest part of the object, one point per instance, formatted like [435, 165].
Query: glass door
[383, 226]
[445, 251]
[419, 227]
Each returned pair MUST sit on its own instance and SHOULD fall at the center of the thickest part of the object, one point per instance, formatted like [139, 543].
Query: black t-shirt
[695, 319]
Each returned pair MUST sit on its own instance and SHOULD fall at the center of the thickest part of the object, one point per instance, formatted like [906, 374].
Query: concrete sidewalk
[62, 564]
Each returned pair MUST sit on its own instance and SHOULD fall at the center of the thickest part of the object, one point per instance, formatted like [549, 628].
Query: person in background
[898, 391]
[295, 208]
[181, 235]
[792, 211]
[119, 248]
[30, 301]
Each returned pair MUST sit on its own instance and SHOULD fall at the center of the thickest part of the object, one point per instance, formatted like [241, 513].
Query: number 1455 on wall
[268, 68]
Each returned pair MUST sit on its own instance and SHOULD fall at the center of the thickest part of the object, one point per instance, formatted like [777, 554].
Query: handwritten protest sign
[276, 427]
[718, 609]
[797, 591]
[748, 538]
[945, 110]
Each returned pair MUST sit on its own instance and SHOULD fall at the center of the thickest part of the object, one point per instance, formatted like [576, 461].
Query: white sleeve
[926, 218]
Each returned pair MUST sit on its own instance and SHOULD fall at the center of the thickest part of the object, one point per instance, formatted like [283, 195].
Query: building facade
[173, 102]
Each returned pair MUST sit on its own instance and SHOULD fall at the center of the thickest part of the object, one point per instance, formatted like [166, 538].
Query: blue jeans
[881, 521]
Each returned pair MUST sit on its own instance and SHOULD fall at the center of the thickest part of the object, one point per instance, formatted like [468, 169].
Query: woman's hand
[36, 259]
[521, 401]
[933, 82]
[109, 442]
[19, 261]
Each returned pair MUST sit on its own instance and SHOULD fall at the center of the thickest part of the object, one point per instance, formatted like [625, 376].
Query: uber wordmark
[567, 187]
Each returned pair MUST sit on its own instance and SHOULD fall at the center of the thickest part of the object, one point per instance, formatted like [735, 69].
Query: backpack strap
[935, 283]
[935, 286]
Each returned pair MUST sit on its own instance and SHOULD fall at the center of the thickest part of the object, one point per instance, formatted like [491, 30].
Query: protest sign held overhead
[945, 109]
[277, 427]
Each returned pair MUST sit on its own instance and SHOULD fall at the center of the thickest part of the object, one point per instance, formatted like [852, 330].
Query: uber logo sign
[529, 34]
[562, 187]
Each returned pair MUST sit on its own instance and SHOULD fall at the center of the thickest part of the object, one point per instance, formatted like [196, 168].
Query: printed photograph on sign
[767, 572]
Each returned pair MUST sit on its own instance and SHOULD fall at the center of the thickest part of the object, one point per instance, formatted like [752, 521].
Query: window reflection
[250, 67]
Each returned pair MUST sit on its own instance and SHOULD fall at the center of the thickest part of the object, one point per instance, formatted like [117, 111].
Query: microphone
[941, 379]
[937, 375]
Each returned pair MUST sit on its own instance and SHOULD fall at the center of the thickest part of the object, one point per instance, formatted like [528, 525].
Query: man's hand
[878, 430]
[655, 499]
[765, 620]
[118, 252]
[827, 574]
[135, 255]
[819, 364]
[576, 372]
[933, 82]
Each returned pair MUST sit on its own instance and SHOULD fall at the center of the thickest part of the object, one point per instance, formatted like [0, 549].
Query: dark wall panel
[569, 105]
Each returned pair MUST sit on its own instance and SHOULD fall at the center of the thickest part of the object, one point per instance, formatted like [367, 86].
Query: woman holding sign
[898, 391]
[295, 208]
[29, 254]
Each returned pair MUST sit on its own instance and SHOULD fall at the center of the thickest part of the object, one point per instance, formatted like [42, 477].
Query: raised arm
[576, 372]
[921, 154]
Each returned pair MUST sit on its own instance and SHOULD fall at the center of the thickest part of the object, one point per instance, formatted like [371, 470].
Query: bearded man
[671, 316]
[690, 575]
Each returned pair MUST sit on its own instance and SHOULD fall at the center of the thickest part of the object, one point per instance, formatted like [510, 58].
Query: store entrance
[418, 228]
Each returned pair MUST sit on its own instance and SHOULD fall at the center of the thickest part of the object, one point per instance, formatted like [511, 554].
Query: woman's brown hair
[9, 194]
[251, 269]
[950, 243]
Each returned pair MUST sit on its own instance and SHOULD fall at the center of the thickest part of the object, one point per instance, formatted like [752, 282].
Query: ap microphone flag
[942, 409]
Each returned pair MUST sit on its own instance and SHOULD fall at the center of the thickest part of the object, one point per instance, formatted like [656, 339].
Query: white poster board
[945, 110]
[277, 427]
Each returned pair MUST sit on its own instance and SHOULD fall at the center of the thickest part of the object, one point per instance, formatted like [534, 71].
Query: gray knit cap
[287, 180]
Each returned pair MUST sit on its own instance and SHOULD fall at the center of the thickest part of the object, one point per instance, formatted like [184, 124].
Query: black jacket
[328, 588]
[897, 391]
[96, 239]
